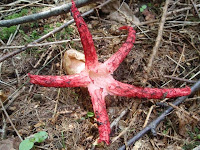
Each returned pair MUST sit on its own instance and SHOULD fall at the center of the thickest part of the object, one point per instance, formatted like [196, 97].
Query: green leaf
[6, 32]
[144, 6]
[32, 139]
[198, 136]
[90, 114]
[26, 145]
[149, 4]
[82, 118]
[196, 130]
[40, 136]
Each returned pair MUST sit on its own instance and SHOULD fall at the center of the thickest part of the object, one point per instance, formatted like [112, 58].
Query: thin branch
[158, 40]
[51, 33]
[12, 98]
[180, 10]
[42, 15]
[115, 122]
[195, 8]
[126, 129]
[14, 9]
[179, 61]
[168, 14]
[152, 126]
[112, 125]
[56, 42]
[180, 79]
[171, 137]
[3, 130]
[148, 116]
[5, 112]
[186, 113]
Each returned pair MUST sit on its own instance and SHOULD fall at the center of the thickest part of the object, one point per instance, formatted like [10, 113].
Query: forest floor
[66, 114]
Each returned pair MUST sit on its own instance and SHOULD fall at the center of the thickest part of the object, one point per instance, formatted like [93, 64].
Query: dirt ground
[63, 112]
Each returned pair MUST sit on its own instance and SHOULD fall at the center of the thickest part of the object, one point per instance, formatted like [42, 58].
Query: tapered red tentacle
[91, 59]
[122, 89]
[78, 80]
[113, 62]
[99, 107]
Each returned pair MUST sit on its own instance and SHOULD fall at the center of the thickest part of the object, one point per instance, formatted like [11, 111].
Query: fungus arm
[91, 59]
[99, 107]
[114, 61]
[122, 89]
[77, 80]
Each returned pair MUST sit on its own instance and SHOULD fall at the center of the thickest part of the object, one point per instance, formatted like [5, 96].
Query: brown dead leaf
[137, 145]
[182, 123]
[114, 29]
[148, 15]
[25, 130]
[10, 144]
[120, 12]
[39, 124]
[3, 96]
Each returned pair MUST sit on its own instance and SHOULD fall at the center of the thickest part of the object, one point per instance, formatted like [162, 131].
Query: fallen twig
[195, 8]
[180, 79]
[171, 137]
[179, 61]
[180, 10]
[17, 8]
[158, 40]
[148, 116]
[31, 45]
[115, 122]
[186, 113]
[51, 33]
[12, 98]
[56, 42]
[174, 12]
[5, 112]
[3, 130]
[152, 126]
[126, 129]
[42, 15]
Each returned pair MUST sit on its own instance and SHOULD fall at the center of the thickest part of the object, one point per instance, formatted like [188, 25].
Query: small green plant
[28, 143]
[36, 9]
[63, 140]
[7, 31]
[34, 24]
[34, 35]
[195, 139]
[90, 114]
[143, 7]
[16, 15]
[29, 38]
[64, 34]
[149, 4]
[47, 28]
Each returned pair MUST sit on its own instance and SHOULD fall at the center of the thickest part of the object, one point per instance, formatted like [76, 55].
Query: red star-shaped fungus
[97, 77]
